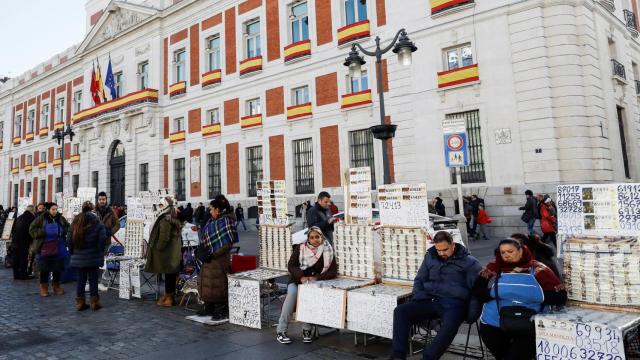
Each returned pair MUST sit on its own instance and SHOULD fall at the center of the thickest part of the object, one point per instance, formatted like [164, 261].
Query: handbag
[515, 320]
[49, 248]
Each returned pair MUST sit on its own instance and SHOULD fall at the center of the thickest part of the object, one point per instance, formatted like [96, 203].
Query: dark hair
[520, 237]
[323, 194]
[81, 223]
[49, 205]
[221, 203]
[510, 241]
[528, 192]
[442, 236]
[102, 193]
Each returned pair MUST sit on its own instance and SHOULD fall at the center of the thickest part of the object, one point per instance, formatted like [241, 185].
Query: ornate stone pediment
[118, 18]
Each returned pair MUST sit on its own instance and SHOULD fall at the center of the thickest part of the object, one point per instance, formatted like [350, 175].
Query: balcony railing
[130, 100]
[618, 70]
[630, 20]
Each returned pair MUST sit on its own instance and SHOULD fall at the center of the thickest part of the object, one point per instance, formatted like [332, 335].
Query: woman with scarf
[310, 261]
[49, 232]
[217, 238]
[164, 252]
[521, 285]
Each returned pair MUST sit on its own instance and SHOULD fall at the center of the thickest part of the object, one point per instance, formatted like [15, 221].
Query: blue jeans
[85, 274]
[530, 225]
[451, 314]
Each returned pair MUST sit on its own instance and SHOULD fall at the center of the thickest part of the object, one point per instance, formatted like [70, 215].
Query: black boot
[206, 310]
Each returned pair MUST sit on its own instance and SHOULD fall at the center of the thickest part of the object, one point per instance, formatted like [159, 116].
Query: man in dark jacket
[441, 290]
[108, 217]
[530, 211]
[320, 215]
[198, 215]
[20, 243]
[187, 213]
[240, 217]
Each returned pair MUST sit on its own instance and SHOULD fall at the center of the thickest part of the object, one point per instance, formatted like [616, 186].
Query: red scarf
[545, 276]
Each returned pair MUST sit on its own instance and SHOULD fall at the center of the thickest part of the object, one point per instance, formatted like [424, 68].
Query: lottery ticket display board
[577, 333]
[358, 206]
[403, 251]
[272, 202]
[275, 247]
[404, 205]
[354, 251]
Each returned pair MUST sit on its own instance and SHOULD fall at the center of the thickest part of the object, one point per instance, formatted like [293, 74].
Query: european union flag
[110, 82]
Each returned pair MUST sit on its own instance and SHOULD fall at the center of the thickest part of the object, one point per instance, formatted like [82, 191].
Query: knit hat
[166, 201]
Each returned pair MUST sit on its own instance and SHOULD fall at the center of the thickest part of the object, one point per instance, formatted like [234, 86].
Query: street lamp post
[402, 46]
[59, 136]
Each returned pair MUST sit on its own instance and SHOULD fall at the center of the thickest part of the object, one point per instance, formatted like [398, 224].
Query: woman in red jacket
[483, 219]
[548, 222]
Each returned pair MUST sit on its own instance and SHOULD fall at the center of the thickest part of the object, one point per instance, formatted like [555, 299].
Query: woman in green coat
[164, 252]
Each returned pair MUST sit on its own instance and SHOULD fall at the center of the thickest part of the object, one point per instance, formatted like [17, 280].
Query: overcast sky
[32, 31]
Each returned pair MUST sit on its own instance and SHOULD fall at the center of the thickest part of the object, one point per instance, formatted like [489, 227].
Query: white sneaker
[102, 287]
[283, 338]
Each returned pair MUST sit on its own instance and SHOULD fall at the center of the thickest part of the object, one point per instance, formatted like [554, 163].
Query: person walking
[475, 210]
[439, 206]
[530, 209]
[164, 252]
[548, 222]
[49, 232]
[188, 213]
[217, 239]
[20, 243]
[198, 215]
[240, 217]
[320, 215]
[483, 220]
[86, 241]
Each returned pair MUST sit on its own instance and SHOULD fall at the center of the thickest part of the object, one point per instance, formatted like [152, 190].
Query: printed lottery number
[547, 351]
[390, 205]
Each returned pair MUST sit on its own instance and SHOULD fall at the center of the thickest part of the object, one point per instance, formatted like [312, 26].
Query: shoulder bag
[515, 320]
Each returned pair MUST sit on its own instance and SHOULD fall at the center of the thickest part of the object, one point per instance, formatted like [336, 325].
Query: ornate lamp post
[59, 136]
[400, 45]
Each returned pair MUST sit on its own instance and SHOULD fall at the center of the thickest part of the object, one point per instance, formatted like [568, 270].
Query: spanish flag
[99, 83]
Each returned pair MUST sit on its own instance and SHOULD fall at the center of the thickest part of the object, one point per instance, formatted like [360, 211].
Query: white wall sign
[404, 205]
[195, 169]
[503, 136]
[244, 302]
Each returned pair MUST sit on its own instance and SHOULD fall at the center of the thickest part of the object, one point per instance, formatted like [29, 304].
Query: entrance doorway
[116, 163]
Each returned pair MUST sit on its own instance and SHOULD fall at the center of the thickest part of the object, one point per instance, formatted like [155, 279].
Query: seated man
[441, 290]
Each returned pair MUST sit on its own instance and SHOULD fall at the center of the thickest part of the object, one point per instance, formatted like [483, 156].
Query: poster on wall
[272, 202]
[195, 169]
[404, 205]
[358, 205]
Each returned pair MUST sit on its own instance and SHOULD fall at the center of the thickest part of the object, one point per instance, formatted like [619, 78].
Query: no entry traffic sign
[456, 153]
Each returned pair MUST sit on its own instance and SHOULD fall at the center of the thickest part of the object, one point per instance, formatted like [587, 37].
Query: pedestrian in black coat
[188, 213]
[541, 251]
[86, 242]
[320, 215]
[20, 243]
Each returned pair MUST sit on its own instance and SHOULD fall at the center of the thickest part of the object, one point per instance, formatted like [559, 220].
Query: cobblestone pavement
[32, 327]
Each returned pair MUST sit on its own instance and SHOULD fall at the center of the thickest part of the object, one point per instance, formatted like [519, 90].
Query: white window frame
[58, 153]
[254, 39]
[213, 53]
[300, 90]
[45, 115]
[1, 130]
[118, 83]
[210, 113]
[75, 149]
[31, 121]
[458, 50]
[60, 109]
[350, 88]
[178, 120]
[143, 75]
[29, 160]
[77, 101]
[356, 15]
[293, 19]
[43, 156]
[179, 66]
[17, 126]
[253, 107]
[16, 162]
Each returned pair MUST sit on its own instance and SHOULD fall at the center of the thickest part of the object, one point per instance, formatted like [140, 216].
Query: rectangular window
[29, 160]
[178, 124]
[361, 152]
[179, 179]
[31, 119]
[76, 149]
[144, 177]
[43, 191]
[44, 116]
[180, 65]
[75, 183]
[58, 185]
[355, 84]
[213, 52]
[303, 166]
[474, 173]
[457, 57]
[43, 156]
[1, 131]
[28, 189]
[254, 169]
[252, 39]
[15, 194]
[58, 153]
[16, 163]
[300, 95]
[94, 179]
[77, 101]
[354, 11]
[118, 80]
[299, 22]
[213, 116]
[623, 142]
[17, 126]
[253, 107]
[143, 75]
[214, 175]
[60, 109]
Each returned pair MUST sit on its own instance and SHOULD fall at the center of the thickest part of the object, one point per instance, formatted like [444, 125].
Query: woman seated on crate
[521, 288]
[310, 261]
[216, 240]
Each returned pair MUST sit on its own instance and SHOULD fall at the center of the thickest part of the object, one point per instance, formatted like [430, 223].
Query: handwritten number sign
[244, 303]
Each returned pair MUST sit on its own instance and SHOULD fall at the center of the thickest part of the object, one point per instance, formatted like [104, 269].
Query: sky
[32, 31]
